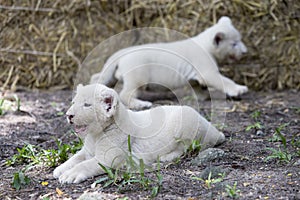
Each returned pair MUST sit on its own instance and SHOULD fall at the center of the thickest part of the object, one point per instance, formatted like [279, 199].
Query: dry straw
[42, 42]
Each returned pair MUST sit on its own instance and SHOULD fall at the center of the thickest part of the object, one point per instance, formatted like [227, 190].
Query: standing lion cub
[103, 121]
[173, 64]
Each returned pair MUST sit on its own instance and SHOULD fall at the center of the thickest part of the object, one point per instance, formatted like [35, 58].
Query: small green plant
[32, 155]
[278, 136]
[232, 191]
[1, 106]
[157, 187]
[26, 154]
[60, 113]
[195, 146]
[20, 180]
[279, 154]
[256, 125]
[255, 115]
[133, 174]
[190, 147]
[210, 181]
[111, 178]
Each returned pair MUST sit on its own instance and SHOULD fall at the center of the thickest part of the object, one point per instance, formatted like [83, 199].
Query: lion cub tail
[107, 75]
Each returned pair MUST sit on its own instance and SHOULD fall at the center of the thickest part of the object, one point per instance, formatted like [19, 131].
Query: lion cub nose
[69, 118]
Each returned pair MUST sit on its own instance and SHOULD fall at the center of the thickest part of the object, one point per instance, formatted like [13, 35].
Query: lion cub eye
[87, 105]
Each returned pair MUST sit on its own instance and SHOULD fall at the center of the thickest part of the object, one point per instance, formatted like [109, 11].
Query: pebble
[90, 196]
[260, 133]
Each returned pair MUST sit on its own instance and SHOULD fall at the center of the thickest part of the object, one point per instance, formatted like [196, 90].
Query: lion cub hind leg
[128, 96]
[172, 155]
[208, 134]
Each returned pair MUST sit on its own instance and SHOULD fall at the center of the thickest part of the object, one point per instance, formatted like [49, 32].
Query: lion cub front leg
[82, 171]
[226, 85]
[233, 89]
[77, 158]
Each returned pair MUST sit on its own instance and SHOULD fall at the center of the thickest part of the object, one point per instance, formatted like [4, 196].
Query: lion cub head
[227, 41]
[92, 108]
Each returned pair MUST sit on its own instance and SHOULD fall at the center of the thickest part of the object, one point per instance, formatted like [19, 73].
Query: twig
[19, 8]
[9, 77]
[71, 54]
[37, 53]
[56, 49]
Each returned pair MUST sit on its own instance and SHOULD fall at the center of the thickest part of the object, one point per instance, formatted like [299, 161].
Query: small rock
[208, 155]
[260, 133]
[90, 196]
[97, 196]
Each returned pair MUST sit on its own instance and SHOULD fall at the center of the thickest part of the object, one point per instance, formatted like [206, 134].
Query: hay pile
[42, 42]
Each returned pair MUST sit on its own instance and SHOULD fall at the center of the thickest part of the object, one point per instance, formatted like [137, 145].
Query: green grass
[20, 180]
[209, 182]
[281, 154]
[1, 106]
[33, 155]
[256, 126]
[255, 115]
[133, 174]
[232, 191]
[195, 147]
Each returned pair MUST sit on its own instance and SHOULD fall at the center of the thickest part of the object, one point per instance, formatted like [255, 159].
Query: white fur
[174, 64]
[105, 124]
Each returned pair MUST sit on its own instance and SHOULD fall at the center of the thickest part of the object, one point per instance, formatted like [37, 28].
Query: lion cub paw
[237, 90]
[59, 171]
[72, 176]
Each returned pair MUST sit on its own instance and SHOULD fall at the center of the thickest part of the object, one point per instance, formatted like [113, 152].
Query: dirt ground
[40, 122]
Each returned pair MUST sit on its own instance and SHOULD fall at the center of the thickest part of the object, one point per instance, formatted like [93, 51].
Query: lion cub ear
[218, 38]
[108, 103]
[224, 20]
[79, 86]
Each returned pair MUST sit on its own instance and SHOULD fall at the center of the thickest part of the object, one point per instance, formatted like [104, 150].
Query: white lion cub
[104, 122]
[173, 64]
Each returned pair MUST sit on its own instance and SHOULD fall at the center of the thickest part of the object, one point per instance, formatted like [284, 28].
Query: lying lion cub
[173, 64]
[162, 132]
